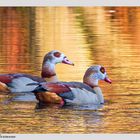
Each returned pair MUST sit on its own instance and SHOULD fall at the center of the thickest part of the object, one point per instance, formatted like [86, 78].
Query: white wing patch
[83, 96]
[20, 85]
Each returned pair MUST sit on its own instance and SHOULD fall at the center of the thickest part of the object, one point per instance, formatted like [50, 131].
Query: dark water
[87, 35]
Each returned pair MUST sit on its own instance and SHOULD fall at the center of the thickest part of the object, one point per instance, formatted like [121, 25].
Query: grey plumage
[78, 85]
[67, 95]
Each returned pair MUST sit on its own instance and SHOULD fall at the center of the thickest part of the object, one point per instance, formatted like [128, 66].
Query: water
[87, 35]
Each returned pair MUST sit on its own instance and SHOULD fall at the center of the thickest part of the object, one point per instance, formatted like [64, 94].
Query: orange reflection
[15, 31]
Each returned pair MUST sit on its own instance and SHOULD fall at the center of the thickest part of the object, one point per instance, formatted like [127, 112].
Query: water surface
[87, 35]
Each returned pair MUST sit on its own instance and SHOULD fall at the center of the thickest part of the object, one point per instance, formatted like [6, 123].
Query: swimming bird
[17, 82]
[74, 93]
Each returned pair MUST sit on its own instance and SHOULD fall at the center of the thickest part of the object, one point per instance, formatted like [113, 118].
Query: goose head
[55, 57]
[94, 74]
[50, 60]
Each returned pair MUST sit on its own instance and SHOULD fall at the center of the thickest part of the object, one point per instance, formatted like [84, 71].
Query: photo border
[44, 3]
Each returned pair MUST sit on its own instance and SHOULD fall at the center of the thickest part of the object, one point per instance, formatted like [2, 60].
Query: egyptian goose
[18, 82]
[74, 93]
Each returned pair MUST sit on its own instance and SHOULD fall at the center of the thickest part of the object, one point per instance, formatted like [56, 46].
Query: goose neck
[48, 72]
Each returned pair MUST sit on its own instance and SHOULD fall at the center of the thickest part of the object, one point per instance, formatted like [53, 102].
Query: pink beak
[107, 80]
[66, 61]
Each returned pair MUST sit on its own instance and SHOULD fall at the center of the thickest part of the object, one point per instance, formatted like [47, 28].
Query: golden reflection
[56, 29]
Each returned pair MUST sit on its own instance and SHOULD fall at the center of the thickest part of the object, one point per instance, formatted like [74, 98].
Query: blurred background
[108, 36]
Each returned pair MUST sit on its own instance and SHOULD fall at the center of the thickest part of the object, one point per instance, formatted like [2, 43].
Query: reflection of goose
[74, 93]
[18, 82]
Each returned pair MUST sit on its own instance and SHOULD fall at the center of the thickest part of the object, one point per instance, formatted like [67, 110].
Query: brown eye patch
[57, 54]
[102, 69]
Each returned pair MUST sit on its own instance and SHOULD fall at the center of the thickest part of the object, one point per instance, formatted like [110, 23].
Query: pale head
[94, 74]
[55, 57]
[50, 60]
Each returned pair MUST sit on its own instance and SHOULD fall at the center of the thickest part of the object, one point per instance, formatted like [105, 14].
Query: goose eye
[57, 54]
[102, 69]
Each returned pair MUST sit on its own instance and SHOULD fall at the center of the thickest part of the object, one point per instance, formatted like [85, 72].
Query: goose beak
[107, 80]
[66, 61]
